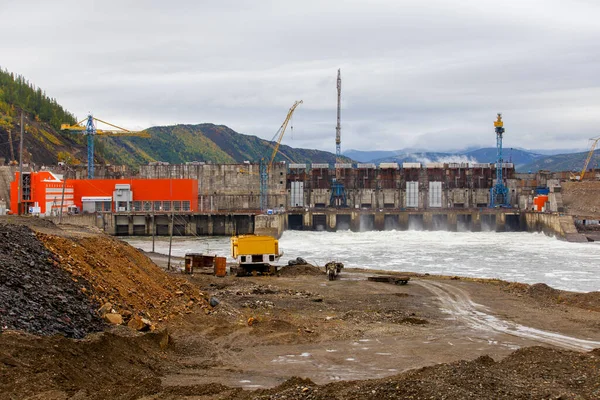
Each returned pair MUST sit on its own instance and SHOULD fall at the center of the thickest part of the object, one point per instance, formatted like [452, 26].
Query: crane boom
[90, 130]
[281, 132]
[589, 157]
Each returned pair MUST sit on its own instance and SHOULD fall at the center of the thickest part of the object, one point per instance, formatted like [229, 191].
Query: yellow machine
[254, 253]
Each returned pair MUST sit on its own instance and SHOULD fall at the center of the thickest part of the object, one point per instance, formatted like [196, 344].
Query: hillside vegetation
[46, 144]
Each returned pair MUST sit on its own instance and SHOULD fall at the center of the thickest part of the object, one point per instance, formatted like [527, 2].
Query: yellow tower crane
[265, 169]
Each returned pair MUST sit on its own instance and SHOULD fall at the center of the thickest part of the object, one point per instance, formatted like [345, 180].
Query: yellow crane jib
[589, 157]
[89, 129]
[281, 132]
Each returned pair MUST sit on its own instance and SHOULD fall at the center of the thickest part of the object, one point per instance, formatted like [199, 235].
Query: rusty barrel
[220, 266]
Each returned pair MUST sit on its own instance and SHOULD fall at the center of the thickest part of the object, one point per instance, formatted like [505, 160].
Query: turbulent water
[512, 256]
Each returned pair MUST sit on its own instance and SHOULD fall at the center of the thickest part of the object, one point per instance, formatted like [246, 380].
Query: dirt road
[459, 305]
[355, 329]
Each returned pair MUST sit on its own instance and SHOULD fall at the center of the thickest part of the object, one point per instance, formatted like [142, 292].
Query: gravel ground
[36, 295]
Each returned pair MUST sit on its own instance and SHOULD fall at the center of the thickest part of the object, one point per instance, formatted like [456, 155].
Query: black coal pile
[36, 295]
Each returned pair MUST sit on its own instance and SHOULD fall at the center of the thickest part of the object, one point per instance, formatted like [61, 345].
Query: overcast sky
[415, 74]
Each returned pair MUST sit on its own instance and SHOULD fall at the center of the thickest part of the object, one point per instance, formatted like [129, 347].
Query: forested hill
[45, 144]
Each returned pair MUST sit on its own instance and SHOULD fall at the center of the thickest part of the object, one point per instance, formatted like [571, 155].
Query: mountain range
[524, 160]
[44, 143]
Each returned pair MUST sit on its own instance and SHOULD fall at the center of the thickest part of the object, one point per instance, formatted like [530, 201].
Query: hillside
[45, 144]
[563, 162]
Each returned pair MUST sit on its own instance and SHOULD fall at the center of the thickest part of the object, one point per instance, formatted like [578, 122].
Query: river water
[511, 256]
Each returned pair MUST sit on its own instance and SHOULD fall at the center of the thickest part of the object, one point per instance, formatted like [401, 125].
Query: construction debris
[396, 280]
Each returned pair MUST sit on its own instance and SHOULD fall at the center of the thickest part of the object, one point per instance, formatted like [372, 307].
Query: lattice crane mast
[499, 192]
[90, 130]
[265, 169]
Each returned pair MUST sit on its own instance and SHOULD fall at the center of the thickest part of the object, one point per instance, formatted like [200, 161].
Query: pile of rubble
[127, 285]
[38, 296]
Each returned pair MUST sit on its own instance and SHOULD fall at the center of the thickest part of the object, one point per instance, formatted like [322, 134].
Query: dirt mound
[548, 296]
[36, 295]
[123, 276]
[302, 269]
[103, 366]
[530, 373]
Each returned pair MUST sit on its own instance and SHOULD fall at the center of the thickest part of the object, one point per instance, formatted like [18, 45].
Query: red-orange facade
[42, 193]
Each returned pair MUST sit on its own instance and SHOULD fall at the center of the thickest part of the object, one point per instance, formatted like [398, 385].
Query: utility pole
[20, 200]
[153, 230]
[171, 238]
[62, 198]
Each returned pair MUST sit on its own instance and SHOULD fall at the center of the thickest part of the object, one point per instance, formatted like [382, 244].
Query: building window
[186, 206]
[107, 206]
[166, 206]
[98, 206]
[137, 206]
[157, 206]
[147, 205]
[177, 205]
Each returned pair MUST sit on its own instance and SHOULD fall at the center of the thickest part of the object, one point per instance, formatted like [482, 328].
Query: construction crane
[265, 169]
[338, 192]
[90, 130]
[587, 160]
[499, 192]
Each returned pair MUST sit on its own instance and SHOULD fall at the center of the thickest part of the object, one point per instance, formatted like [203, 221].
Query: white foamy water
[511, 256]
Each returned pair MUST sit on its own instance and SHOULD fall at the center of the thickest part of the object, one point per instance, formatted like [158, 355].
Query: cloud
[426, 74]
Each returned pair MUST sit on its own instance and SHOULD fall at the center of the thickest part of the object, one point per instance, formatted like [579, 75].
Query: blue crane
[499, 192]
[89, 129]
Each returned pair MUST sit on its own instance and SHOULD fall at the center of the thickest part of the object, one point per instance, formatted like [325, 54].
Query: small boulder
[113, 318]
[140, 324]
[105, 309]
[213, 302]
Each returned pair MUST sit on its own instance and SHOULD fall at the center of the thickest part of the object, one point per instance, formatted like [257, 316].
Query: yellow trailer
[255, 253]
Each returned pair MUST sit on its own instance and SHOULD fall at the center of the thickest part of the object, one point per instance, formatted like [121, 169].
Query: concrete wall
[561, 226]
[226, 187]
[272, 225]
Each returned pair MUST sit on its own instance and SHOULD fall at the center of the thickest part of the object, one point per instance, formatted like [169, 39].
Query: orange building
[43, 191]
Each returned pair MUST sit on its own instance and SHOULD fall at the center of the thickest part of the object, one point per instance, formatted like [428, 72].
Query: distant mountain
[369, 156]
[563, 162]
[216, 143]
[518, 157]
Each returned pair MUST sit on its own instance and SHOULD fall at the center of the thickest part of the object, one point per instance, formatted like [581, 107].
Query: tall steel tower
[338, 192]
[499, 192]
[338, 129]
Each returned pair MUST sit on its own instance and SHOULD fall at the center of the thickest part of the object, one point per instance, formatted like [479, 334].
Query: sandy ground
[300, 336]
[352, 328]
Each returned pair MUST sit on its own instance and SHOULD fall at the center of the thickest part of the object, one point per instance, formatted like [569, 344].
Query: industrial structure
[265, 169]
[46, 193]
[338, 191]
[587, 160]
[90, 130]
[499, 192]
